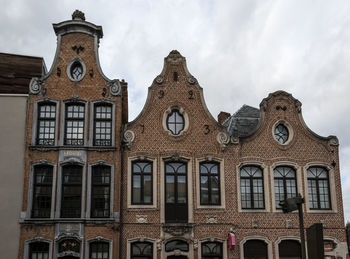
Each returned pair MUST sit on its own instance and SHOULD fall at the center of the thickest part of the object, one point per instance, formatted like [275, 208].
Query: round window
[281, 133]
[175, 122]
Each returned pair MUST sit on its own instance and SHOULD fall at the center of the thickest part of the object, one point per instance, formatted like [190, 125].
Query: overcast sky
[239, 51]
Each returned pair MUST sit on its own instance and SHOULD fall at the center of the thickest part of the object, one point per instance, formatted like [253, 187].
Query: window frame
[94, 106]
[27, 243]
[317, 180]
[131, 160]
[35, 128]
[285, 191]
[142, 188]
[28, 214]
[140, 242]
[45, 119]
[36, 168]
[185, 116]
[143, 239]
[176, 124]
[97, 240]
[213, 256]
[251, 187]
[75, 60]
[209, 175]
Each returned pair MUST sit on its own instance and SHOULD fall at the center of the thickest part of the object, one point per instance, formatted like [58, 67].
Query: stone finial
[78, 15]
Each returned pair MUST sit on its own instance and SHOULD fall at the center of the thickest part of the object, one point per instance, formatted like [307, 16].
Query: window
[289, 249]
[71, 191]
[42, 191]
[68, 246]
[46, 124]
[103, 125]
[209, 183]
[176, 245]
[76, 71]
[318, 188]
[212, 250]
[141, 182]
[175, 122]
[255, 249]
[99, 250]
[100, 191]
[74, 125]
[141, 250]
[285, 184]
[252, 188]
[281, 133]
[39, 250]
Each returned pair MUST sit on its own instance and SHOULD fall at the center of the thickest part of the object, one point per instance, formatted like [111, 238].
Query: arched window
[175, 122]
[285, 184]
[252, 187]
[99, 250]
[289, 249]
[281, 133]
[318, 188]
[141, 182]
[209, 183]
[212, 250]
[39, 250]
[141, 250]
[255, 249]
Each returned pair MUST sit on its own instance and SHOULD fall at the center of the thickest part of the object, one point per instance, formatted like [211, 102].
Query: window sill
[71, 220]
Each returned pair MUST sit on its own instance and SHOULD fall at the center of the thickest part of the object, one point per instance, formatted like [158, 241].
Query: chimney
[125, 111]
[223, 116]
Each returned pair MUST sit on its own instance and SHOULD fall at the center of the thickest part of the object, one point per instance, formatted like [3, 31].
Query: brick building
[72, 153]
[174, 182]
[191, 181]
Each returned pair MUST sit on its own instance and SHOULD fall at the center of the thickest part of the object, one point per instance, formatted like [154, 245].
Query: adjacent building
[72, 153]
[16, 72]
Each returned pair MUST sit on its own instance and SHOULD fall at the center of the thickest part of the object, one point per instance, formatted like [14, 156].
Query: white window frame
[332, 190]
[265, 170]
[31, 188]
[220, 161]
[89, 190]
[298, 175]
[154, 162]
[35, 120]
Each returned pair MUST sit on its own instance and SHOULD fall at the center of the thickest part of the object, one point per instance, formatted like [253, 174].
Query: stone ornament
[159, 79]
[333, 141]
[78, 15]
[35, 85]
[142, 219]
[223, 139]
[192, 80]
[177, 230]
[211, 219]
[115, 87]
[128, 137]
[289, 223]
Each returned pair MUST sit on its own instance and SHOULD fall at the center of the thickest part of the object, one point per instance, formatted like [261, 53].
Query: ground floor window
[39, 250]
[141, 250]
[99, 250]
[289, 249]
[212, 250]
[255, 249]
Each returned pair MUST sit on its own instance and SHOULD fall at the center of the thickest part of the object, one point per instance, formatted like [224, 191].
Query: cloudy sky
[239, 51]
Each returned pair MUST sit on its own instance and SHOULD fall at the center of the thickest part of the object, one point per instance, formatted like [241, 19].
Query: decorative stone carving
[177, 230]
[115, 87]
[289, 223]
[159, 79]
[254, 223]
[333, 141]
[211, 219]
[35, 85]
[323, 222]
[191, 80]
[235, 140]
[159, 244]
[142, 219]
[78, 15]
[298, 106]
[128, 138]
[223, 139]
[195, 244]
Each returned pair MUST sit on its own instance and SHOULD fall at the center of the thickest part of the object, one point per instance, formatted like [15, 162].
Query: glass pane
[136, 189]
[181, 189]
[170, 189]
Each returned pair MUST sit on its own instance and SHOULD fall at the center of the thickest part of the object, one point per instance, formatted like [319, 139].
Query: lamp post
[292, 204]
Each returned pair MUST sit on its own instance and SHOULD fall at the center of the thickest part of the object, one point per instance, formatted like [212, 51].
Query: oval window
[76, 70]
[175, 122]
[281, 133]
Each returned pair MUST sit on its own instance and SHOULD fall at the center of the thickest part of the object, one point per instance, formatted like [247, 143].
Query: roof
[16, 71]
[244, 122]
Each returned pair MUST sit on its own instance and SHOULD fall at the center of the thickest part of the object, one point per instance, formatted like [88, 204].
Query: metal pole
[302, 236]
